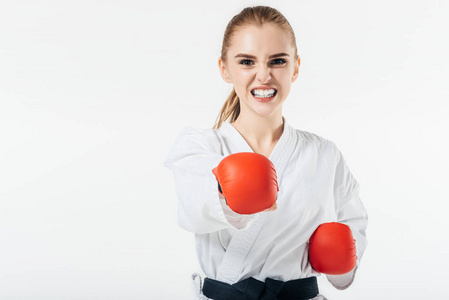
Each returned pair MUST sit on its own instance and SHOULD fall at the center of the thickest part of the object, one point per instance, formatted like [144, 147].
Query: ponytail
[230, 109]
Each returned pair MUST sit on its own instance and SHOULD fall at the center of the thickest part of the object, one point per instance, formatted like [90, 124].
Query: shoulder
[314, 144]
[191, 137]
[310, 139]
[192, 142]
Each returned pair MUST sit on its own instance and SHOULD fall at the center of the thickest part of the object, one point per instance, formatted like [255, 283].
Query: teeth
[263, 93]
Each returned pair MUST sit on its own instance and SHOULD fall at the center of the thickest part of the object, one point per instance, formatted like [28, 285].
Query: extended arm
[201, 208]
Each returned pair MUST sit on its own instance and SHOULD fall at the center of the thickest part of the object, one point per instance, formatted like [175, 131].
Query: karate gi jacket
[315, 187]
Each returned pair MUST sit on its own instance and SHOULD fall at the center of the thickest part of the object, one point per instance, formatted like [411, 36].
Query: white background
[94, 93]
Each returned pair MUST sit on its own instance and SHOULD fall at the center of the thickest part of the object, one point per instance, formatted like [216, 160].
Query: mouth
[264, 95]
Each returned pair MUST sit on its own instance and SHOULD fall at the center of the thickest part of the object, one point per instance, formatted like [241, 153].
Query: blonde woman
[271, 207]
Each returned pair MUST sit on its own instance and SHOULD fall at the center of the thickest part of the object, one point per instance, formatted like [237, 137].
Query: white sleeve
[201, 209]
[350, 211]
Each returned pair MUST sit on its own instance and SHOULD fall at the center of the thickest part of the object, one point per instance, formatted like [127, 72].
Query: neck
[260, 130]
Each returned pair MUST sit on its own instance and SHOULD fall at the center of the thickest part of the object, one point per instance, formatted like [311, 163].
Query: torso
[264, 151]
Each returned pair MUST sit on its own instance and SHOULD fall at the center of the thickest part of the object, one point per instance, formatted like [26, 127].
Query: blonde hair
[257, 16]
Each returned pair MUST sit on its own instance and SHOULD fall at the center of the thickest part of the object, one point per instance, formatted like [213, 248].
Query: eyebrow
[253, 57]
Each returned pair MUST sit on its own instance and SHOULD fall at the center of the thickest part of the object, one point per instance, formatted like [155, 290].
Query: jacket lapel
[243, 240]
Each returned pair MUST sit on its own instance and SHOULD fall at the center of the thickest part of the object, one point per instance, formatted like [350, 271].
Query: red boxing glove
[332, 249]
[248, 182]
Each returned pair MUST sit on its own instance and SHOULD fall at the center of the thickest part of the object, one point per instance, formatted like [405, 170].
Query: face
[261, 65]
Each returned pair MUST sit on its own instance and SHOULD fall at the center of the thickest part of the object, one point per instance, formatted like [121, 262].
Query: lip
[264, 88]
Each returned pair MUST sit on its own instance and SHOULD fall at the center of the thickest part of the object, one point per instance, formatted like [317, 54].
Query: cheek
[284, 77]
[236, 70]
[244, 74]
[242, 78]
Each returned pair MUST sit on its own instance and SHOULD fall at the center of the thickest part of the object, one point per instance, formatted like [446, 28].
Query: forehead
[265, 40]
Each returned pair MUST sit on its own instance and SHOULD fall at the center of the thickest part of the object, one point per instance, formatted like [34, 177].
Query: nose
[263, 74]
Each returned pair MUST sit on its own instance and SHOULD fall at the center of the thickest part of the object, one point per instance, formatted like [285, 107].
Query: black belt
[253, 289]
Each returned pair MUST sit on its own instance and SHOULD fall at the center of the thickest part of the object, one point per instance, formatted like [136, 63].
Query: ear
[223, 71]
[296, 69]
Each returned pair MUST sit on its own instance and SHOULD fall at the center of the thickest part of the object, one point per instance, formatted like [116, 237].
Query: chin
[265, 112]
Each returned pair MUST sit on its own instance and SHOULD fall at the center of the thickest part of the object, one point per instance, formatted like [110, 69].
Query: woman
[263, 254]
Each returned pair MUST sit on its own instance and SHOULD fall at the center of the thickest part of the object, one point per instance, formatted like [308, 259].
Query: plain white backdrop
[94, 93]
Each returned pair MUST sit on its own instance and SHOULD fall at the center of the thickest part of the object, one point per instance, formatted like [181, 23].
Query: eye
[246, 62]
[278, 61]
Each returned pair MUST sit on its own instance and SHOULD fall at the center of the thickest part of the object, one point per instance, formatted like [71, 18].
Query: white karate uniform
[315, 187]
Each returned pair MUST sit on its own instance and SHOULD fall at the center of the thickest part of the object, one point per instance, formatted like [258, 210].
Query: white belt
[198, 282]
